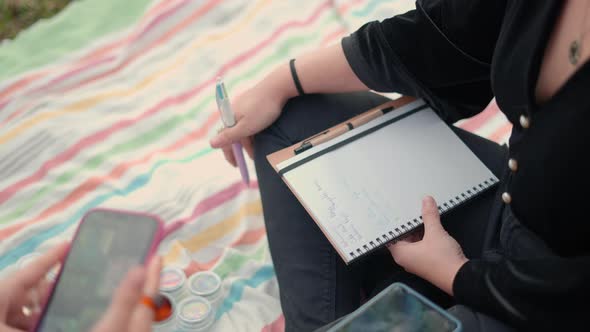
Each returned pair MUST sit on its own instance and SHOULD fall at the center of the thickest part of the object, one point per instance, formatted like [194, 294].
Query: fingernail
[427, 201]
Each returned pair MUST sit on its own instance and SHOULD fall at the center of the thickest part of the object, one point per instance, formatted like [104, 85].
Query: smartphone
[398, 308]
[107, 244]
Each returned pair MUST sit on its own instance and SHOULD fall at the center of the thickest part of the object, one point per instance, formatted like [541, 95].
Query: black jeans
[316, 287]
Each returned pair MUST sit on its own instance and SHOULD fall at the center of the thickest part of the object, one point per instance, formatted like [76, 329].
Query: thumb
[430, 215]
[398, 246]
[226, 137]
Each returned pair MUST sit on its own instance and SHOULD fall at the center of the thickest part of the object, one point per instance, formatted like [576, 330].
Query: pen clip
[306, 141]
[306, 144]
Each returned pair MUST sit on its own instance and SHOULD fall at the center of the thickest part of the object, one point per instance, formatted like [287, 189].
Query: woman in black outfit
[519, 255]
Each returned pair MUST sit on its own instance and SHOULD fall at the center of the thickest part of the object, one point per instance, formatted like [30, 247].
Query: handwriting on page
[340, 221]
[336, 200]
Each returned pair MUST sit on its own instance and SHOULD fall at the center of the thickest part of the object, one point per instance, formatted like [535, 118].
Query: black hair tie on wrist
[295, 77]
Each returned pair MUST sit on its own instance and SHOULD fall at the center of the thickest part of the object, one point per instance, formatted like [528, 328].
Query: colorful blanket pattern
[111, 104]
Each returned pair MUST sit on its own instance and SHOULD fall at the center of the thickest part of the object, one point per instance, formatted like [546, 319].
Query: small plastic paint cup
[172, 282]
[195, 313]
[165, 315]
[206, 284]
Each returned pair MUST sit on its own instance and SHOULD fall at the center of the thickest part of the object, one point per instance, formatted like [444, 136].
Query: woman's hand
[325, 70]
[437, 257]
[126, 313]
[254, 110]
[26, 288]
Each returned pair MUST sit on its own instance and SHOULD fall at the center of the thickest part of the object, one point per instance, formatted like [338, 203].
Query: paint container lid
[165, 312]
[195, 313]
[172, 279]
[205, 283]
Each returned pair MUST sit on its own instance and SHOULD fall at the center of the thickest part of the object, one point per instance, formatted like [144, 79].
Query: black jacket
[458, 54]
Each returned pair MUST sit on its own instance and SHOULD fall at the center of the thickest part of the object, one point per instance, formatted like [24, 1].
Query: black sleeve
[547, 293]
[441, 51]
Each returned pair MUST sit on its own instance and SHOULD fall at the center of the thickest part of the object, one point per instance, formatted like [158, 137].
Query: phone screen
[107, 245]
[398, 308]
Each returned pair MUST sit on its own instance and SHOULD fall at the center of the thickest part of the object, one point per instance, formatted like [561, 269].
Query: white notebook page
[362, 191]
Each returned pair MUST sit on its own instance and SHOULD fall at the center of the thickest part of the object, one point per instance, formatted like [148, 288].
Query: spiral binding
[412, 224]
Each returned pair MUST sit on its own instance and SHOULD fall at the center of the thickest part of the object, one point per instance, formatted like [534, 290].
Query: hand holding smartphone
[106, 246]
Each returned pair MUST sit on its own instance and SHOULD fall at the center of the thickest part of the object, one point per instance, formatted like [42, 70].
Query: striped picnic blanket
[110, 104]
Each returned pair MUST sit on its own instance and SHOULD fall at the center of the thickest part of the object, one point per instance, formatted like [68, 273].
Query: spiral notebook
[364, 188]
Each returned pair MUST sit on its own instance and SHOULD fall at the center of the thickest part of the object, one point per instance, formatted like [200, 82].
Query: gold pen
[331, 133]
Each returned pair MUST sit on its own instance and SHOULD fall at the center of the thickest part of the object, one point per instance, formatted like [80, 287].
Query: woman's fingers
[227, 136]
[248, 146]
[125, 301]
[430, 216]
[143, 316]
[229, 156]
[26, 310]
[152, 284]
[10, 329]
[30, 275]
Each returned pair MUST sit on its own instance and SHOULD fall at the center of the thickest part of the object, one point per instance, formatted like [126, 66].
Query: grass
[17, 15]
